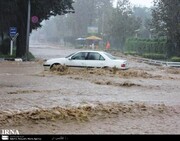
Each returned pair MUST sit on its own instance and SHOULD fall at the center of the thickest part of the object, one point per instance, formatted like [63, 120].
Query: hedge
[175, 59]
[142, 46]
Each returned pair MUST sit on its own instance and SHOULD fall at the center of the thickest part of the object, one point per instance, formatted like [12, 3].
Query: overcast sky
[146, 3]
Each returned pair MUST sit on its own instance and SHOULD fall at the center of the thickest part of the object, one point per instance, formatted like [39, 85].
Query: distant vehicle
[94, 59]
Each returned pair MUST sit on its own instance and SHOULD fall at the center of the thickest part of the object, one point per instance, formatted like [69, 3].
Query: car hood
[55, 60]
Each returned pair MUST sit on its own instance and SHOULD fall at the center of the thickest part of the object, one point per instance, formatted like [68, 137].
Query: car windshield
[110, 56]
[69, 55]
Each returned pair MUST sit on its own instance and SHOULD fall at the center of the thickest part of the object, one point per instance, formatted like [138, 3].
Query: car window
[95, 56]
[101, 57]
[110, 56]
[80, 56]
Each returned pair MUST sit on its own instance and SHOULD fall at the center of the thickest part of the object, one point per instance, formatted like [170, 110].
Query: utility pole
[103, 19]
[28, 30]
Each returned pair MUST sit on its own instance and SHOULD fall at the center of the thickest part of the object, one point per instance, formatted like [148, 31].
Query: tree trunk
[2, 35]
[21, 43]
[178, 49]
[22, 29]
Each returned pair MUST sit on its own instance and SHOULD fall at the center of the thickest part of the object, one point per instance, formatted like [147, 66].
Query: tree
[89, 13]
[123, 23]
[17, 16]
[7, 19]
[6, 16]
[166, 22]
[145, 14]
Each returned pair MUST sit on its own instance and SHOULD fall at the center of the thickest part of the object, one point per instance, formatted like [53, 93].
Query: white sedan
[95, 59]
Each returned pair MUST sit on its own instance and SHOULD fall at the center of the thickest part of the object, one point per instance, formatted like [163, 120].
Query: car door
[78, 60]
[95, 59]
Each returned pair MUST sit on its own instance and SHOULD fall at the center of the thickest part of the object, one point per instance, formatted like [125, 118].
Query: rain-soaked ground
[144, 99]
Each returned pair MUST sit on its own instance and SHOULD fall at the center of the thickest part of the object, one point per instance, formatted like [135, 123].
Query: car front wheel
[55, 67]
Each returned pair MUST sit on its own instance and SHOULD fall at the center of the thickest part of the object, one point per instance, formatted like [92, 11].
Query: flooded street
[142, 100]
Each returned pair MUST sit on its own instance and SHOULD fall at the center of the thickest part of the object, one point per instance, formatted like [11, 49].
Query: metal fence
[160, 63]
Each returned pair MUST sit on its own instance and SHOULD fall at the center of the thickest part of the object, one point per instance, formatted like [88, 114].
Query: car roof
[91, 51]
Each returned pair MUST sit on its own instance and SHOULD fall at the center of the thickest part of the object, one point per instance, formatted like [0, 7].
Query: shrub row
[175, 59]
[154, 56]
[142, 46]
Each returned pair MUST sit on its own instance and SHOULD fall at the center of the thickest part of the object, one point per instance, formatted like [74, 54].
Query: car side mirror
[69, 58]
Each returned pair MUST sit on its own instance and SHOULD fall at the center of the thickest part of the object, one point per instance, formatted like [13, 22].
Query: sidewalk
[11, 59]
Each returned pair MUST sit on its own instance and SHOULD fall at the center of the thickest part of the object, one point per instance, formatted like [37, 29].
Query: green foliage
[154, 56]
[14, 13]
[131, 53]
[145, 14]
[175, 59]
[166, 22]
[87, 13]
[143, 46]
[6, 56]
[123, 23]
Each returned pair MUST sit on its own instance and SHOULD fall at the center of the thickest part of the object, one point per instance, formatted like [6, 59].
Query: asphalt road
[50, 51]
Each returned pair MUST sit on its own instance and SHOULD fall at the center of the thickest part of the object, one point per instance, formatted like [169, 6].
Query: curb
[11, 59]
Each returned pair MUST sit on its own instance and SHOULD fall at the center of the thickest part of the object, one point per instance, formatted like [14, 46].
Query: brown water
[142, 100]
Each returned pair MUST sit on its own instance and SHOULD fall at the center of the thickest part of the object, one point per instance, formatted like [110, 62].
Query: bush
[175, 59]
[154, 56]
[142, 46]
[7, 56]
[131, 53]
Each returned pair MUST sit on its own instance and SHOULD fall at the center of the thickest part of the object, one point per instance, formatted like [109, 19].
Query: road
[50, 51]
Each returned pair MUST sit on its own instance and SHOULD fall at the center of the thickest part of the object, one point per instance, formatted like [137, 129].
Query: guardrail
[173, 64]
[160, 63]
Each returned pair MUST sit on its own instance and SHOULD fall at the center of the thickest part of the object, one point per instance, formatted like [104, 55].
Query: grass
[31, 57]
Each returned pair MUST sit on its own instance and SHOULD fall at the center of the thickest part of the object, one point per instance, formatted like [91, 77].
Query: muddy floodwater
[144, 99]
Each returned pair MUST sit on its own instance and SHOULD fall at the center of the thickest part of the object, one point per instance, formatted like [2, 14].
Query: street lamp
[28, 30]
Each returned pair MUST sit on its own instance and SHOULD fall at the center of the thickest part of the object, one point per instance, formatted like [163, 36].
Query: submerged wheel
[105, 67]
[54, 66]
